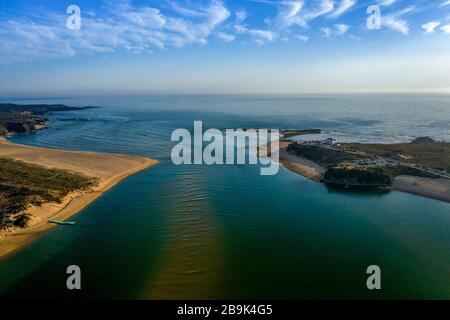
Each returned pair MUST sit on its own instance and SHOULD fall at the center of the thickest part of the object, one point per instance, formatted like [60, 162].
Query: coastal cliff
[27, 118]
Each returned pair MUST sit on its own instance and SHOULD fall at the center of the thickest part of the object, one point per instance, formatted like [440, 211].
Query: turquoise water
[227, 232]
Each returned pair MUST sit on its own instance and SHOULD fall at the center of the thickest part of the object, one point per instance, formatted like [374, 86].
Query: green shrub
[22, 220]
[23, 184]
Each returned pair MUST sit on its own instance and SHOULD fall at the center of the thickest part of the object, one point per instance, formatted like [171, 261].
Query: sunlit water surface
[227, 232]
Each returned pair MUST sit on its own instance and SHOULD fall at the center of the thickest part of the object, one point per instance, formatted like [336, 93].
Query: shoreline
[109, 169]
[296, 164]
[301, 166]
[437, 189]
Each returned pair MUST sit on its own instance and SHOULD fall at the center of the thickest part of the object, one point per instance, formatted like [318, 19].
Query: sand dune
[109, 169]
[432, 188]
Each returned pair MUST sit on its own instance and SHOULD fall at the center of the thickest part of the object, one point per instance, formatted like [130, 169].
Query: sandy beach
[109, 169]
[301, 166]
[432, 188]
[296, 164]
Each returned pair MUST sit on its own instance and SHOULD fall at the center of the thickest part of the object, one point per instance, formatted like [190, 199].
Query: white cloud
[327, 31]
[301, 38]
[430, 26]
[145, 17]
[241, 16]
[395, 22]
[260, 36]
[445, 3]
[288, 14]
[341, 29]
[294, 12]
[386, 3]
[122, 27]
[25, 40]
[353, 37]
[186, 11]
[337, 30]
[325, 6]
[344, 6]
[226, 37]
[216, 13]
[258, 41]
[446, 28]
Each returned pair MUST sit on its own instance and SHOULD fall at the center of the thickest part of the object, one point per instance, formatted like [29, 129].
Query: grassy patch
[432, 154]
[23, 184]
[322, 156]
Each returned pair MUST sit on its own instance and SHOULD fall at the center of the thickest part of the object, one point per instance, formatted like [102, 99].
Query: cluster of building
[325, 142]
[376, 162]
[372, 162]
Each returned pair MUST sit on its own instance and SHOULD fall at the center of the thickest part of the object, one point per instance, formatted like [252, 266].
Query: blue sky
[223, 46]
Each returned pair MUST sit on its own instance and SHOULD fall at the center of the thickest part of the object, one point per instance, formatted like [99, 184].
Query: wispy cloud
[259, 35]
[302, 38]
[26, 40]
[337, 30]
[301, 13]
[324, 7]
[344, 6]
[386, 3]
[327, 32]
[226, 37]
[124, 27]
[446, 28]
[241, 15]
[289, 14]
[395, 22]
[142, 26]
[341, 29]
[430, 26]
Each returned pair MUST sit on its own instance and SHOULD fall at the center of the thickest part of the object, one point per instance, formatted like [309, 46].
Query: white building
[330, 141]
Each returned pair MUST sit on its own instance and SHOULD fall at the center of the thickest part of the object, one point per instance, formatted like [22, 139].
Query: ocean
[225, 231]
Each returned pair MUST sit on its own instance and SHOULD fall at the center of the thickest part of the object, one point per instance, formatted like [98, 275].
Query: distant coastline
[15, 118]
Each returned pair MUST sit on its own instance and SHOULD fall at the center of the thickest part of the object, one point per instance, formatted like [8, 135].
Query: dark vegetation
[375, 177]
[23, 184]
[424, 151]
[358, 177]
[341, 169]
[323, 156]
